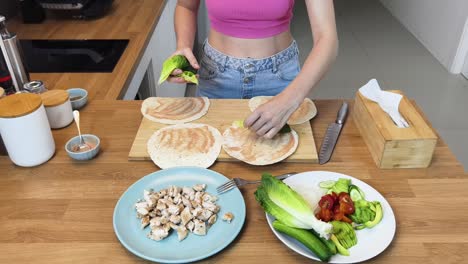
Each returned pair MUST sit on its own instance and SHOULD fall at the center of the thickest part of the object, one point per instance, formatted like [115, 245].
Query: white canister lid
[17, 105]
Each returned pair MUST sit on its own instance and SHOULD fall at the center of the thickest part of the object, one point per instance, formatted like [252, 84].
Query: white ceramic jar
[58, 107]
[25, 129]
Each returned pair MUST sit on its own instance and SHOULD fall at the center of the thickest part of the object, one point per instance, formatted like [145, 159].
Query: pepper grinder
[13, 56]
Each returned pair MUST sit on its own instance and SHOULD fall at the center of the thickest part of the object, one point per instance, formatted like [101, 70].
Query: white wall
[438, 24]
[465, 68]
[161, 45]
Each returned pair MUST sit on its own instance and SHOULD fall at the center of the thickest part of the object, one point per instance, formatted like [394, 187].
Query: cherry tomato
[346, 208]
[344, 197]
[326, 202]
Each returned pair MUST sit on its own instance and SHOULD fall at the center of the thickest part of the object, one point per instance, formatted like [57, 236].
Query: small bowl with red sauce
[89, 152]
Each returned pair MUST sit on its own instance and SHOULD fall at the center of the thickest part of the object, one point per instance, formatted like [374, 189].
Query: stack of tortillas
[304, 113]
[185, 145]
[168, 110]
[243, 144]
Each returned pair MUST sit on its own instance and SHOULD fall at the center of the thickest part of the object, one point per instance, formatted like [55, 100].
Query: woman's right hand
[188, 53]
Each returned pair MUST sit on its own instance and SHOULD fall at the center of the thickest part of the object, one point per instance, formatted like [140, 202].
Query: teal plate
[170, 250]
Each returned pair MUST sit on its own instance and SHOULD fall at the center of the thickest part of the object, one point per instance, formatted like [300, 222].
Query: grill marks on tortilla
[303, 113]
[174, 110]
[245, 145]
[177, 109]
[185, 145]
[300, 113]
[198, 140]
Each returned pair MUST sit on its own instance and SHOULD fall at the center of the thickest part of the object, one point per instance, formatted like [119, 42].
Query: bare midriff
[249, 48]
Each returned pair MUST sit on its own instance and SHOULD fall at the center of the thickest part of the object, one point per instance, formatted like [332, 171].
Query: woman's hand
[188, 53]
[270, 117]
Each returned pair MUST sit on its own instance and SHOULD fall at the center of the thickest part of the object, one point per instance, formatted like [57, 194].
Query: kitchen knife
[333, 132]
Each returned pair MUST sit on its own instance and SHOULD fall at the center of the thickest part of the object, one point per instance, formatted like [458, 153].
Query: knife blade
[332, 134]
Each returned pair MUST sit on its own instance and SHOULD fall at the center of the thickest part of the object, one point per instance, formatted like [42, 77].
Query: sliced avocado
[285, 129]
[341, 250]
[238, 123]
[378, 216]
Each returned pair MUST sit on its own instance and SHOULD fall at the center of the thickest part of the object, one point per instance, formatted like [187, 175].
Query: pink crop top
[251, 19]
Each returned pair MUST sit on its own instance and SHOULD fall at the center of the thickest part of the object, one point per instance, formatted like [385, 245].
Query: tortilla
[243, 144]
[185, 145]
[174, 110]
[304, 113]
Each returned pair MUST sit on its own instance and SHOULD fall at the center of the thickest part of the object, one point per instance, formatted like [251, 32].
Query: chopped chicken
[161, 205]
[205, 215]
[158, 233]
[162, 193]
[177, 198]
[186, 216]
[228, 217]
[149, 199]
[199, 187]
[196, 212]
[145, 221]
[156, 221]
[173, 209]
[200, 228]
[164, 219]
[182, 233]
[154, 213]
[186, 202]
[186, 209]
[195, 204]
[209, 198]
[167, 227]
[209, 205]
[175, 219]
[198, 197]
[187, 190]
[165, 213]
[142, 211]
[173, 226]
[190, 226]
[212, 220]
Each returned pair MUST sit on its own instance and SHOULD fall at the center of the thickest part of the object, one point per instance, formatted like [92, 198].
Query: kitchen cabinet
[161, 45]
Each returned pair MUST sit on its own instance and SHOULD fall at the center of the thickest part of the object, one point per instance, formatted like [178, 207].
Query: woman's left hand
[270, 117]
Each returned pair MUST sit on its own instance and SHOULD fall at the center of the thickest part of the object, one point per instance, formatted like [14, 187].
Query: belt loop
[222, 63]
[275, 66]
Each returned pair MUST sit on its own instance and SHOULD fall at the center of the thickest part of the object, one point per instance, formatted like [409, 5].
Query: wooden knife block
[392, 147]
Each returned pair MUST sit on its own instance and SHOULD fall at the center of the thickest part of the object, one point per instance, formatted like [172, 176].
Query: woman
[250, 52]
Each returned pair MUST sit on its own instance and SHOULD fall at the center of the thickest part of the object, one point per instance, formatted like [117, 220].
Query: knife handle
[341, 117]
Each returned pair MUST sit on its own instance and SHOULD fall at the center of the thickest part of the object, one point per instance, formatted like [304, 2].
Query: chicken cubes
[182, 209]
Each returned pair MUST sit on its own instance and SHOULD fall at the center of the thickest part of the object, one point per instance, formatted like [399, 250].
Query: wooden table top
[134, 20]
[61, 212]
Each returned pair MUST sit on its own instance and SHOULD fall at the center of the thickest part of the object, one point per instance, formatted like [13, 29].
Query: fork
[238, 182]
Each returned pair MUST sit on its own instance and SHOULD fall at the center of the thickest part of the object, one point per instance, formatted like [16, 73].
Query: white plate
[371, 242]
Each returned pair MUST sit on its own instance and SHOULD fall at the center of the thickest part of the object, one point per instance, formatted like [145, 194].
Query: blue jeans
[223, 76]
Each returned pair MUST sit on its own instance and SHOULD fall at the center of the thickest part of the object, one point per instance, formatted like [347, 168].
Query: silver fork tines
[226, 186]
[238, 182]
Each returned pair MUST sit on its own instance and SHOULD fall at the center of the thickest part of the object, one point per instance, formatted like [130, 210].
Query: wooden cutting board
[221, 114]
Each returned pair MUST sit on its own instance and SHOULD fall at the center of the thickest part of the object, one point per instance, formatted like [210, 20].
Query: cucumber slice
[327, 184]
[355, 193]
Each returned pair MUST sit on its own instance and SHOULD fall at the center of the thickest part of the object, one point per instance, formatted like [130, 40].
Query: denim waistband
[248, 64]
